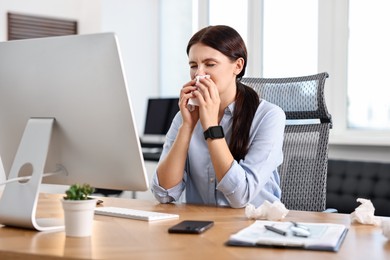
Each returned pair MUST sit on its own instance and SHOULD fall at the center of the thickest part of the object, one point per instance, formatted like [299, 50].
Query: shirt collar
[230, 109]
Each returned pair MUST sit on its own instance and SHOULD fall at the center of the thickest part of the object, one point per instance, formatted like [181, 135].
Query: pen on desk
[276, 230]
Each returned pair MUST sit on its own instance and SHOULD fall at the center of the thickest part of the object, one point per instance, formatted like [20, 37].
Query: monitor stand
[19, 200]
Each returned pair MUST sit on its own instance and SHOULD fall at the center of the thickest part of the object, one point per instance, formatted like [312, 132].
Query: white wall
[360, 153]
[136, 24]
[175, 29]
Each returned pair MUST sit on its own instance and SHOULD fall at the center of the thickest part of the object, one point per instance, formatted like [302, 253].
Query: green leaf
[78, 192]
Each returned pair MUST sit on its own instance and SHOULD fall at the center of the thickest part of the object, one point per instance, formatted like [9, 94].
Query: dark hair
[229, 42]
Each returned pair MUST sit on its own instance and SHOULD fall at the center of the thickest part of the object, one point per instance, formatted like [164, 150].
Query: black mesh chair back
[303, 172]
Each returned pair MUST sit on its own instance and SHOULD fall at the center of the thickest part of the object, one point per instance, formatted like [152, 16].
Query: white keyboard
[133, 213]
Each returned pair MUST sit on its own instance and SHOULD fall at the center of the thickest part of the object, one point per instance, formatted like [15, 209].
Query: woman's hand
[209, 102]
[189, 118]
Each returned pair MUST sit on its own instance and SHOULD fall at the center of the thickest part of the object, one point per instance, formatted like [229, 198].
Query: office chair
[303, 172]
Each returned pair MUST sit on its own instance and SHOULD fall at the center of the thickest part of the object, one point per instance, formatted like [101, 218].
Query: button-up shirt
[253, 179]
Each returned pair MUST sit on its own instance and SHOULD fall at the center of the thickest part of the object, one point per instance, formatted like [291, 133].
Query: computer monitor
[65, 109]
[159, 115]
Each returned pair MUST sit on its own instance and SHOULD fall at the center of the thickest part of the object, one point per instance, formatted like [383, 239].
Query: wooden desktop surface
[118, 238]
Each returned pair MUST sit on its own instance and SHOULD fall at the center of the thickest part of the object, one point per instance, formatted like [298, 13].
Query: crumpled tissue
[386, 228]
[364, 213]
[268, 211]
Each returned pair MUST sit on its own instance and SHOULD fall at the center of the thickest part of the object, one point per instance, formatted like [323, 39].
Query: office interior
[147, 57]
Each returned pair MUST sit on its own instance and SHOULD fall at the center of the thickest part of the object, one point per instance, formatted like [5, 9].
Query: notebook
[323, 236]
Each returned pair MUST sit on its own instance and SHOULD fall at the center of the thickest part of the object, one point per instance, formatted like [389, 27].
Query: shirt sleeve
[246, 179]
[174, 193]
[164, 195]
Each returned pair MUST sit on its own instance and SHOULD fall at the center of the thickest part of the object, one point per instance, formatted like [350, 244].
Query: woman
[226, 151]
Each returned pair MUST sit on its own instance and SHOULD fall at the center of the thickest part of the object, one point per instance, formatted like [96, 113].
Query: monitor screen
[79, 82]
[159, 115]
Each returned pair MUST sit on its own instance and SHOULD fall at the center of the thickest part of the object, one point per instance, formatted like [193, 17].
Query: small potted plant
[78, 210]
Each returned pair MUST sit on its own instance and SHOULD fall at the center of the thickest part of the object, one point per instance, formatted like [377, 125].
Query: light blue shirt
[251, 180]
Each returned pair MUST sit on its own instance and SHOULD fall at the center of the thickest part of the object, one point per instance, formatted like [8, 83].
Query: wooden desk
[118, 238]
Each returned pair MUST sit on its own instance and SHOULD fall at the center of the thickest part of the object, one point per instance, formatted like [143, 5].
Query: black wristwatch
[214, 132]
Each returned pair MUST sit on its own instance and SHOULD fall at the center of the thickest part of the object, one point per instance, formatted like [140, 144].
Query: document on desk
[313, 236]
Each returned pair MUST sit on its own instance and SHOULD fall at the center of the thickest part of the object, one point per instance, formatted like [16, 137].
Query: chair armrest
[330, 210]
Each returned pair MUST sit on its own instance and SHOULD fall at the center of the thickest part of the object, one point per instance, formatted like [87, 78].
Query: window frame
[332, 58]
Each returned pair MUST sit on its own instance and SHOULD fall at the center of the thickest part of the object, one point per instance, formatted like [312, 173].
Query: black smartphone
[191, 227]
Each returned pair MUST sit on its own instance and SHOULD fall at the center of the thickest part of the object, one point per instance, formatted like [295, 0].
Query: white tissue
[192, 102]
[268, 211]
[386, 228]
[364, 213]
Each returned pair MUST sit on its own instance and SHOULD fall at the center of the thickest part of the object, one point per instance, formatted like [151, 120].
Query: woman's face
[204, 60]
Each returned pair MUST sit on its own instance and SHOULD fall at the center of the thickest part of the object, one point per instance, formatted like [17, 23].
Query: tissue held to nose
[194, 101]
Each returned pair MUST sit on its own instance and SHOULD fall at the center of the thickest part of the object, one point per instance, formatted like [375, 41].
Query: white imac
[64, 109]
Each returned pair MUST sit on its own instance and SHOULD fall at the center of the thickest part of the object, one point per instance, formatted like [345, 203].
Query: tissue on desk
[386, 228]
[364, 213]
[192, 102]
[268, 211]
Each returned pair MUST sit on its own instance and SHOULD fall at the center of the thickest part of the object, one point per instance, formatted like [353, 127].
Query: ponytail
[247, 101]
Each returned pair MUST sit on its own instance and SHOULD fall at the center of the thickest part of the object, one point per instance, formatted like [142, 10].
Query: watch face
[216, 132]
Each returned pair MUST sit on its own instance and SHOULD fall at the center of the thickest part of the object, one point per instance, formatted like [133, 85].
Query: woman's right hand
[190, 118]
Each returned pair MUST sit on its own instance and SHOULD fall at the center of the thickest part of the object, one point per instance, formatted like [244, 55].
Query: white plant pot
[78, 216]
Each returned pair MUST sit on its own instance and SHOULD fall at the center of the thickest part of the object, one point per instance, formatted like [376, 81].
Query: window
[290, 38]
[348, 39]
[234, 14]
[368, 56]
[290, 34]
